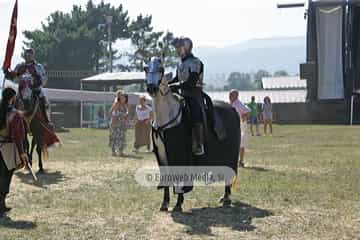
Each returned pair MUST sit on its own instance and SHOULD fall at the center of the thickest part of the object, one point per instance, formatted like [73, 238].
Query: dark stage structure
[332, 68]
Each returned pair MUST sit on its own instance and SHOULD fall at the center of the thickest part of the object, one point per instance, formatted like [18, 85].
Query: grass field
[302, 183]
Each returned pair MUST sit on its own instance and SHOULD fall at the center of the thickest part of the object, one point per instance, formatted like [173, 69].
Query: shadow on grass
[278, 136]
[239, 217]
[7, 222]
[258, 169]
[44, 180]
[131, 156]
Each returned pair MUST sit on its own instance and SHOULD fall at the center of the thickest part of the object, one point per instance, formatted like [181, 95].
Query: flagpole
[11, 41]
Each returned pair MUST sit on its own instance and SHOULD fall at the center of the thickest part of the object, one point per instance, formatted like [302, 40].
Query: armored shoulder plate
[190, 65]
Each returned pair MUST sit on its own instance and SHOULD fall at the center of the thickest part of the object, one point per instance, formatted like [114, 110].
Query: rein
[35, 110]
[164, 94]
[161, 128]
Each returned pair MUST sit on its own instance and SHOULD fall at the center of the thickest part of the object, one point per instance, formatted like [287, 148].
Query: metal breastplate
[26, 81]
[188, 66]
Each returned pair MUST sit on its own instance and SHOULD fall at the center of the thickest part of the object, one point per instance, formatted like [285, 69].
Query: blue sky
[207, 22]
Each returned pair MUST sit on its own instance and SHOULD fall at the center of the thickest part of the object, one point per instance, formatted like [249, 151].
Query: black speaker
[308, 72]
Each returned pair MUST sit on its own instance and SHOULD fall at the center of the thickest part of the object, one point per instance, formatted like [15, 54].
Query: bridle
[161, 92]
[172, 121]
[169, 123]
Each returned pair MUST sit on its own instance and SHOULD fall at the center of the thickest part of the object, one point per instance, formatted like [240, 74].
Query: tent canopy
[283, 82]
[116, 78]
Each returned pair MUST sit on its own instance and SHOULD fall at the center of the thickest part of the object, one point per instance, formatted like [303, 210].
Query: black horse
[172, 135]
[37, 127]
[30, 150]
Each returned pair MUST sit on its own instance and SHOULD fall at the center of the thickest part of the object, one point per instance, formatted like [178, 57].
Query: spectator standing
[143, 118]
[119, 123]
[253, 116]
[260, 113]
[101, 117]
[268, 115]
[244, 113]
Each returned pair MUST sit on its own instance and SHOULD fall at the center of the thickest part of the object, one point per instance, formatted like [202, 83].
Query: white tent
[283, 82]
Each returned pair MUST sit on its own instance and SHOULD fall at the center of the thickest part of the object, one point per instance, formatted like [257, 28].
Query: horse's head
[155, 78]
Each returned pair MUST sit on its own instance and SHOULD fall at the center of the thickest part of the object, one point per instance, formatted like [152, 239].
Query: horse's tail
[234, 183]
[45, 153]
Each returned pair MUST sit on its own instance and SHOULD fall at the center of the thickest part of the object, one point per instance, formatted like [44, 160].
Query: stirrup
[200, 150]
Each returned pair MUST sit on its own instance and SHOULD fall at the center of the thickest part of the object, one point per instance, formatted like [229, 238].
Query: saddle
[211, 118]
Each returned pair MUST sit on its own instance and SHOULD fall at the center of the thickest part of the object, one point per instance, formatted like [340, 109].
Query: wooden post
[81, 105]
[351, 110]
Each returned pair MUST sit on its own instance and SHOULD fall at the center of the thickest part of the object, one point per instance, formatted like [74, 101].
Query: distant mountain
[271, 54]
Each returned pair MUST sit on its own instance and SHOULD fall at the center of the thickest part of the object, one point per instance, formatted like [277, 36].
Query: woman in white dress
[143, 118]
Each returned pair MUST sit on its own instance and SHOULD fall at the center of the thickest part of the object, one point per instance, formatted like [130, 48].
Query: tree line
[248, 81]
[76, 41]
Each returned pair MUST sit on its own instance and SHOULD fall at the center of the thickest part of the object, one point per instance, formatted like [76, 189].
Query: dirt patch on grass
[302, 169]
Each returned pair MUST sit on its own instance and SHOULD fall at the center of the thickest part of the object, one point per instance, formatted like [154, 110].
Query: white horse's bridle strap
[161, 92]
[166, 125]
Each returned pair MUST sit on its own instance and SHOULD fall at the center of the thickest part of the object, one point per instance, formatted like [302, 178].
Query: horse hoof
[7, 209]
[226, 203]
[164, 207]
[225, 200]
[41, 171]
[177, 209]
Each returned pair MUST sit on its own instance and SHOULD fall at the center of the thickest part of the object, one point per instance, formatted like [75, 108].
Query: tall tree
[144, 41]
[74, 41]
[148, 43]
[259, 76]
[240, 81]
[166, 50]
[78, 40]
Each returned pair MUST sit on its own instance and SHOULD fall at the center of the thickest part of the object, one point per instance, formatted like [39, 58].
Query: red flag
[12, 38]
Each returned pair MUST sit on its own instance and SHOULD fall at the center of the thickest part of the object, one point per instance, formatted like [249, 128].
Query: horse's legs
[38, 150]
[225, 200]
[27, 149]
[166, 200]
[31, 152]
[180, 201]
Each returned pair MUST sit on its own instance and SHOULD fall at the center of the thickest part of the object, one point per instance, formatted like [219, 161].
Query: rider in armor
[189, 80]
[31, 77]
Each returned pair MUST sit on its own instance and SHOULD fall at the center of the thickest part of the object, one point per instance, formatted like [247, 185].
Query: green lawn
[302, 183]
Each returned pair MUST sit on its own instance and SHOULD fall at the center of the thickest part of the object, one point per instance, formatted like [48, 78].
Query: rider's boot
[198, 139]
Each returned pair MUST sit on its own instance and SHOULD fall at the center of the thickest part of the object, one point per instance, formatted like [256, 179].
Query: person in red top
[12, 130]
[31, 77]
